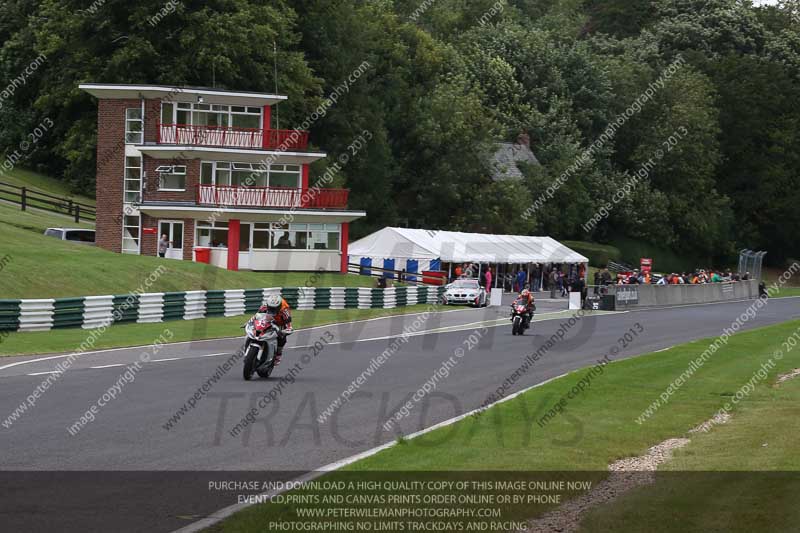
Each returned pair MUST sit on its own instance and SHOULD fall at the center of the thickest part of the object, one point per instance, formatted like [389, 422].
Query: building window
[290, 236]
[266, 236]
[134, 125]
[133, 179]
[167, 112]
[188, 113]
[213, 234]
[284, 176]
[207, 173]
[223, 173]
[261, 236]
[323, 236]
[171, 177]
[296, 236]
[130, 234]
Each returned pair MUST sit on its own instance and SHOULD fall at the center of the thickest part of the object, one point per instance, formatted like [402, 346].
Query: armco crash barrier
[95, 311]
[638, 296]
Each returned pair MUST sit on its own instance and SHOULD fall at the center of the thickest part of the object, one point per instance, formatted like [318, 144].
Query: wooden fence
[25, 198]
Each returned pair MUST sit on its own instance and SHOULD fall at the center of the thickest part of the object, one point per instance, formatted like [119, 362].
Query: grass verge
[122, 335]
[739, 477]
[787, 291]
[599, 426]
[43, 267]
[34, 220]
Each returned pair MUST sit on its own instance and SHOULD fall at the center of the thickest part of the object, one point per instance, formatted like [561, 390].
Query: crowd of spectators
[559, 279]
[604, 277]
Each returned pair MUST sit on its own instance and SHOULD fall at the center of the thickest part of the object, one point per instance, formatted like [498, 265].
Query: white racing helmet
[273, 303]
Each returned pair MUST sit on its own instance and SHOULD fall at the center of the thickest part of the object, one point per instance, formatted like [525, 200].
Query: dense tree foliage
[441, 81]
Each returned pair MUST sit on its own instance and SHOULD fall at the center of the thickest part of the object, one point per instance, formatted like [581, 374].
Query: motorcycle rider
[282, 315]
[527, 297]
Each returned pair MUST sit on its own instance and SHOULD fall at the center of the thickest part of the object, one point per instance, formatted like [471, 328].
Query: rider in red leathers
[282, 315]
[527, 297]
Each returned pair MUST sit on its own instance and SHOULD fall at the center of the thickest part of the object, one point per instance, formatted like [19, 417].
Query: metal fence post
[23, 199]
[759, 265]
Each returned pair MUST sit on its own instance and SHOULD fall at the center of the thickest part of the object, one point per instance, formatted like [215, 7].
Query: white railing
[249, 196]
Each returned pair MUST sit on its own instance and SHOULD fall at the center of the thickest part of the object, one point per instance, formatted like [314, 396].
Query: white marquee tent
[418, 249]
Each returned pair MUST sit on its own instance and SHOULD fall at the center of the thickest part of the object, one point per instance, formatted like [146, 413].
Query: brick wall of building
[188, 239]
[111, 171]
[152, 193]
[150, 242]
[152, 116]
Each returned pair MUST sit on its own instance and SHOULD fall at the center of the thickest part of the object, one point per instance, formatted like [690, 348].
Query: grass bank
[42, 183]
[600, 426]
[43, 267]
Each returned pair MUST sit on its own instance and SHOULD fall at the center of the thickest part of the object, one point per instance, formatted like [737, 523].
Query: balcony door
[173, 229]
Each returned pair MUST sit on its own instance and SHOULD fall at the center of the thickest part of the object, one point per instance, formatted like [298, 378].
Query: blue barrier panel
[412, 267]
[388, 264]
[366, 262]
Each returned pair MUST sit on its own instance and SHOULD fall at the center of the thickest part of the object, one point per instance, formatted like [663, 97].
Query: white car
[466, 291]
[78, 235]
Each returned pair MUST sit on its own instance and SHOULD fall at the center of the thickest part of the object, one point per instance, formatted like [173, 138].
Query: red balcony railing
[286, 197]
[229, 137]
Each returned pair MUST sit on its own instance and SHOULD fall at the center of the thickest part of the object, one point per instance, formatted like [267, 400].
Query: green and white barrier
[91, 312]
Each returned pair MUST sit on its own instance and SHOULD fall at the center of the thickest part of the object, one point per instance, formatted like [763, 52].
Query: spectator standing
[163, 245]
[562, 284]
[522, 278]
[553, 282]
[488, 281]
[605, 277]
[580, 286]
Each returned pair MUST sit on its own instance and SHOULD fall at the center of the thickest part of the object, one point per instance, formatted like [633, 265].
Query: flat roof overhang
[242, 155]
[223, 214]
[180, 94]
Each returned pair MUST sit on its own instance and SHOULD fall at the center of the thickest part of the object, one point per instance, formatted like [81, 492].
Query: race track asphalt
[114, 469]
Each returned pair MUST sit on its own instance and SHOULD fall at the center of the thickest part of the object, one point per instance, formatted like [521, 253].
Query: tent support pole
[449, 271]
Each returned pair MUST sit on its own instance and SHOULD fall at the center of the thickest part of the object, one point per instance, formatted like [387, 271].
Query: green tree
[227, 44]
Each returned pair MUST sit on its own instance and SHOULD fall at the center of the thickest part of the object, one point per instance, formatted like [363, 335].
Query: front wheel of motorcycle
[250, 362]
[516, 326]
[266, 372]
